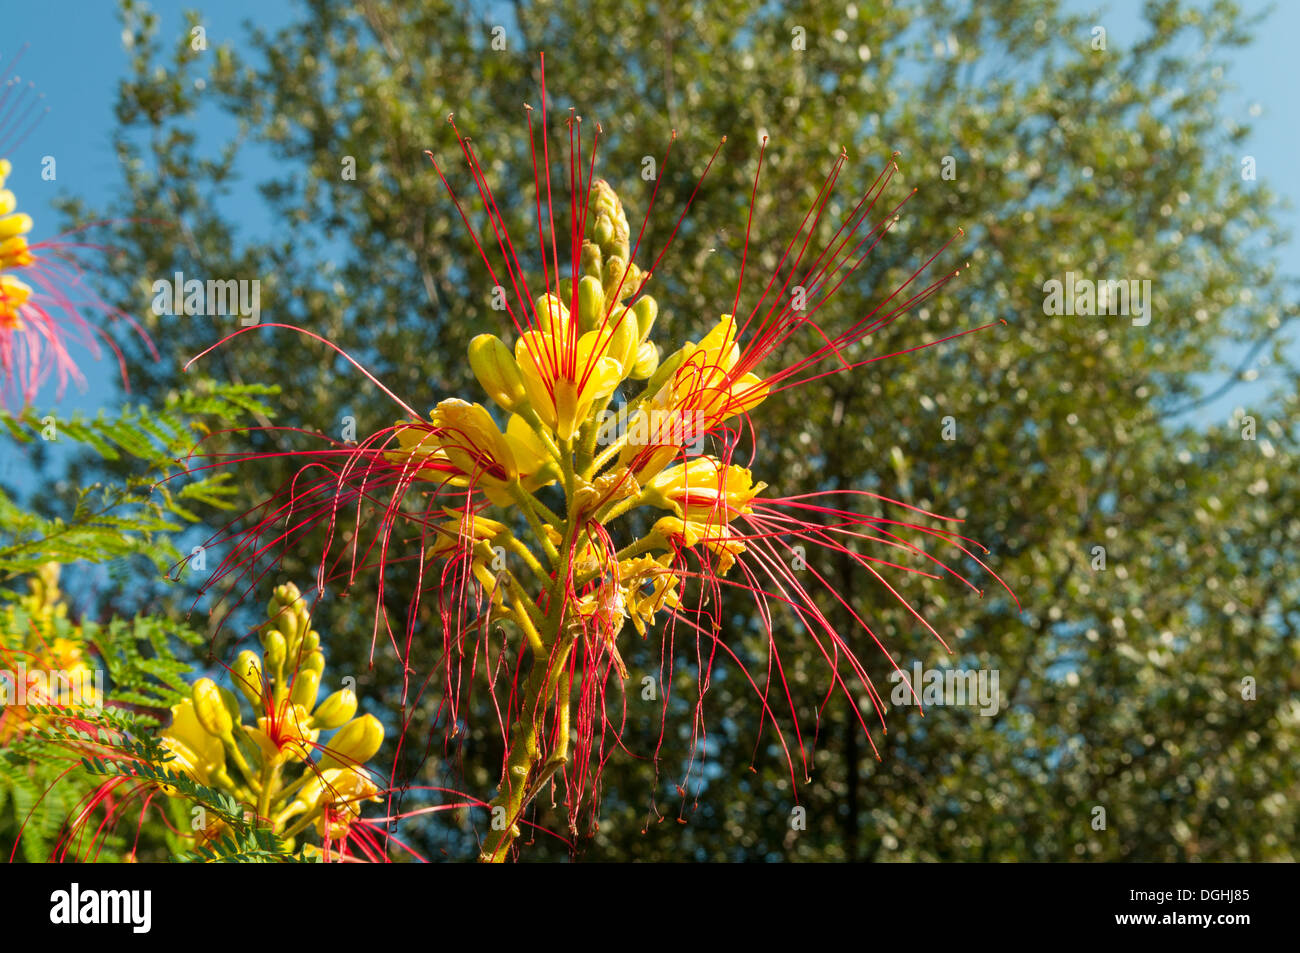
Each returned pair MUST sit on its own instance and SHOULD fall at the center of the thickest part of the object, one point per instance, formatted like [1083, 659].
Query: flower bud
[497, 372]
[591, 260]
[247, 675]
[621, 279]
[665, 372]
[313, 662]
[273, 645]
[210, 708]
[335, 710]
[591, 303]
[647, 361]
[311, 641]
[622, 335]
[607, 222]
[306, 686]
[19, 223]
[647, 311]
[552, 315]
[285, 595]
[355, 743]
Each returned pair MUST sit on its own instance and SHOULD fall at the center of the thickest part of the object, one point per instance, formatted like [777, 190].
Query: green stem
[525, 736]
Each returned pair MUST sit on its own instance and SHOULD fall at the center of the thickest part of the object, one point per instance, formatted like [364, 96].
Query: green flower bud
[311, 641]
[591, 260]
[273, 644]
[335, 710]
[497, 372]
[306, 686]
[665, 372]
[552, 315]
[313, 662]
[617, 285]
[355, 743]
[591, 303]
[247, 675]
[210, 708]
[284, 595]
[647, 311]
[607, 221]
[647, 361]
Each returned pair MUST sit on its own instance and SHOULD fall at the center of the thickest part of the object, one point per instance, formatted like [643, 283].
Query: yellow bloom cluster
[14, 253]
[267, 764]
[584, 345]
[40, 646]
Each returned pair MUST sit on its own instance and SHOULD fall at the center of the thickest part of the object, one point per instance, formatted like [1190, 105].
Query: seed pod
[355, 743]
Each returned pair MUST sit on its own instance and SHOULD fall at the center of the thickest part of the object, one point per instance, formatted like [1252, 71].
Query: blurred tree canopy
[1161, 688]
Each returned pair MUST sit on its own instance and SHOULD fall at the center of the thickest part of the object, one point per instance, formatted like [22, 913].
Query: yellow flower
[13, 295]
[288, 736]
[459, 533]
[537, 468]
[717, 538]
[472, 443]
[196, 753]
[341, 790]
[562, 383]
[704, 490]
[705, 381]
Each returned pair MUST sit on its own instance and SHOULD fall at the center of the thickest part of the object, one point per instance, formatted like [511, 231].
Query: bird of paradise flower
[527, 523]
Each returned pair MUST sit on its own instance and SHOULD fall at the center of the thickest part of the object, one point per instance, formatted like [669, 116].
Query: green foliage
[137, 514]
[42, 788]
[242, 841]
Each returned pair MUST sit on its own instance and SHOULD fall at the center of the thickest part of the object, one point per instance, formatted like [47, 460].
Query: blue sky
[77, 61]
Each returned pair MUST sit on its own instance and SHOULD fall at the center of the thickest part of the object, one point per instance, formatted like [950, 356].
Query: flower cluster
[267, 764]
[45, 659]
[535, 522]
[45, 305]
[14, 253]
[553, 386]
